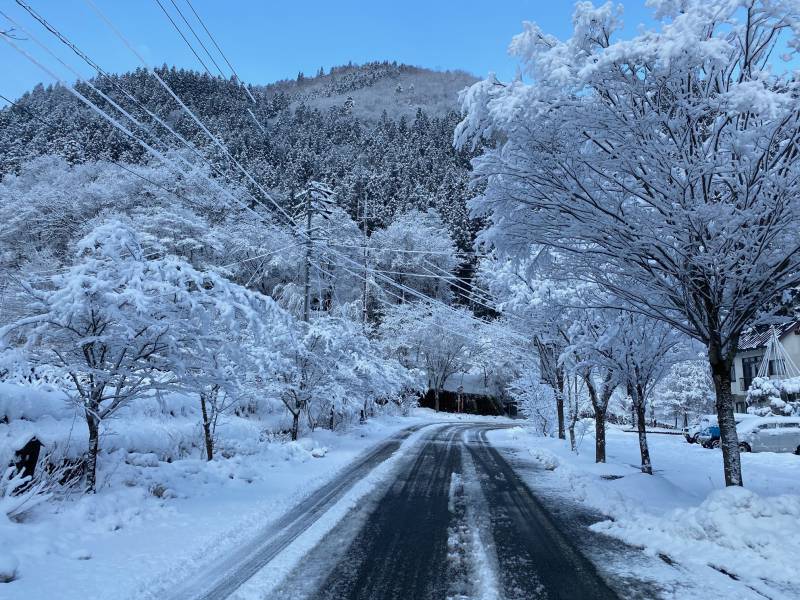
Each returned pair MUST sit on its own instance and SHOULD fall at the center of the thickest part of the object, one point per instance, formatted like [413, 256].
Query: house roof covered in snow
[757, 337]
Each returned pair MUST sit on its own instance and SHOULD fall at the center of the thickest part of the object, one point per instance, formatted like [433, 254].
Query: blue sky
[268, 40]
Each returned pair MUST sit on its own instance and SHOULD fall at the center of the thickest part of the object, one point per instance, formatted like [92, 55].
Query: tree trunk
[728, 436]
[207, 428]
[559, 391]
[641, 427]
[436, 399]
[295, 424]
[599, 435]
[91, 458]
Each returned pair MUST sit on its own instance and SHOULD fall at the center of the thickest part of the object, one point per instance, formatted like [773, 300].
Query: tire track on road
[536, 558]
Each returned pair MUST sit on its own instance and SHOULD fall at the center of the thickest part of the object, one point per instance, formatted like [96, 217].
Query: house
[473, 393]
[750, 354]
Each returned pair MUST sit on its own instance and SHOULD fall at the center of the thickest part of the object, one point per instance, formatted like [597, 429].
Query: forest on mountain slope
[348, 128]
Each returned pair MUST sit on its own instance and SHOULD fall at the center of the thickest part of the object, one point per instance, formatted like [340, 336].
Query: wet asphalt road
[536, 559]
[401, 551]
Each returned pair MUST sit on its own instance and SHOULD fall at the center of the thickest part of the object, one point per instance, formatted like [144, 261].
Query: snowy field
[153, 522]
[735, 541]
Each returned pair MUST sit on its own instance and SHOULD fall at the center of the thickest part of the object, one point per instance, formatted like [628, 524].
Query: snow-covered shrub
[770, 397]
[19, 494]
[544, 458]
[33, 403]
[761, 394]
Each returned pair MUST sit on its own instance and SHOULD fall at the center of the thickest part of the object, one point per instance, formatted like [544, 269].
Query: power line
[183, 105]
[180, 33]
[222, 54]
[202, 45]
[406, 251]
[381, 276]
[88, 60]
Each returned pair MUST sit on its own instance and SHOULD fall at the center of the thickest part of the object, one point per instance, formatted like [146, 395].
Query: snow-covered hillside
[399, 90]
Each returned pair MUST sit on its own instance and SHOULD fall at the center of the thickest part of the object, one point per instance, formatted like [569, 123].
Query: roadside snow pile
[545, 459]
[303, 449]
[8, 567]
[734, 530]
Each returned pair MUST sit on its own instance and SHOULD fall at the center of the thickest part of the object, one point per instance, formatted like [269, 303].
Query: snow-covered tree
[664, 163]
[535, 401]
[592, 342]
[686, 391]
[416, 251]
[335, 371]
[243, 343]
[639, 353]
[433, 338]
[120, 325]
[539, 302]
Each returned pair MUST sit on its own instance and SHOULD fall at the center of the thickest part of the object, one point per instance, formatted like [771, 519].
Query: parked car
[770, 434]
[710, 436]
[694, 430]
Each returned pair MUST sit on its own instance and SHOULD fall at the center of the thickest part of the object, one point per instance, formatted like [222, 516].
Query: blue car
[710, 436]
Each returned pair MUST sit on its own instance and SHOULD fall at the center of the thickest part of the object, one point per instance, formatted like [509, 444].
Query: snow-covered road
[433, 513]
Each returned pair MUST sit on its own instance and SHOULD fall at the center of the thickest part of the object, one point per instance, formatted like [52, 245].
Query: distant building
[750, 355]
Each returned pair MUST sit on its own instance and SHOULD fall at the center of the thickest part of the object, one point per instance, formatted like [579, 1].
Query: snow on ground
[683, 513]
[153, 521]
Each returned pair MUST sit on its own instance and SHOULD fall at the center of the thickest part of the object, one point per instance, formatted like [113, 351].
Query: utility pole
[316, 198]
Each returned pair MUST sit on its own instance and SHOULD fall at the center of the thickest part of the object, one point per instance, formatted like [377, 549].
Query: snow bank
[735, 530]
[33, 403]
[167, 426]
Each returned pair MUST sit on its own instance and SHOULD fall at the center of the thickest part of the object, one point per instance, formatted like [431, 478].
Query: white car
[770, 434]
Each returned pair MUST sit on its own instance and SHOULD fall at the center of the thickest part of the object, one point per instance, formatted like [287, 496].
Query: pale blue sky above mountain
[268, 40]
